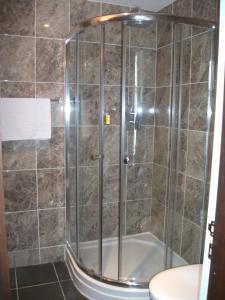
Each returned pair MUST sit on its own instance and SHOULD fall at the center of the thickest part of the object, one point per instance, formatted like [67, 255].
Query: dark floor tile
[34, 275]
[14, 295]
[41, 292]
[12, 278]
[70, 292]
[62, 271]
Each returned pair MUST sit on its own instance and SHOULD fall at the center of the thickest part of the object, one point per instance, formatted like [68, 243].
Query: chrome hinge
[211, 228]
[210, 251]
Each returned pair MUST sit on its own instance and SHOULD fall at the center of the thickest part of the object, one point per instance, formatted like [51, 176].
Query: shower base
[143, 257]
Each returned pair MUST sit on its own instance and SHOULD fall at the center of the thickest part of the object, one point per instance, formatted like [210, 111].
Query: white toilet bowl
[181, 283]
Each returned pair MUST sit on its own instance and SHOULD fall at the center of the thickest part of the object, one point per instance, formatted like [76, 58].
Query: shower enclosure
[139, 128]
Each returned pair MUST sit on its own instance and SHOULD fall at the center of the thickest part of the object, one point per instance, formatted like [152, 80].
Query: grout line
[59, 281]
[36, 285]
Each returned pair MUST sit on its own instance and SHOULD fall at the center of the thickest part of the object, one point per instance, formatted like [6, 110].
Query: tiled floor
[43, 282]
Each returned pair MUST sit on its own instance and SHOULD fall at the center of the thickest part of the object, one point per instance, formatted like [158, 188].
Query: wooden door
[216, 289]
[4, 270]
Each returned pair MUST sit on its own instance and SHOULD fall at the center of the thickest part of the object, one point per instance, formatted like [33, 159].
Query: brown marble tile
[81, 10]
[137, 216]
[190, 248]
[176, 233]
[161, 142]
[89, 216]
[206, 9]
[18, 155]
[157, 220]
[112, 64]
[111, 183]
[112, 103]
[183, 150]
[88, 145]
[51, 190]
[185, 62]
[52, 227]
[139, 181]
[164, 34]
[23, 258]
[50, 60]
[17, 58]
[198, 107]
[200, 57]
[89, 182]
[55, 14]
[159, 184]
[17, 90]
[162, 105]
[52, 254]
[111, 144]
[185, 92]
[110, 220]
[50, 153]
[145, 67]
[22, 230]
[180, 193]
[89, 109]
[17, 17]
[196, 154]
[20, 191]
[113, 31]
[183, 8]
[89, 63]
[193, 200]
[143, 37]
[163, 69]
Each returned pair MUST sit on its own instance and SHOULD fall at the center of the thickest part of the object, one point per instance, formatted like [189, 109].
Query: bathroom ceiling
[152, 5]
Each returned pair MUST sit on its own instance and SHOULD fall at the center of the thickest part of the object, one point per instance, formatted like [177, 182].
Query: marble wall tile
[23, 258]
[22, 230]
[143, 37]
[139, 181]
[164, 34]
[163, 69]
[52, 254]
[162, 106]
[185, 92]
[183, 8]
[180, 192]
[112, 103]
[182, 164]
[137, 216]
[18, 155]
[144, 149]
[89, 216]
[89, 63]
[51, 190]
[200, 57]
[88, 145]
[89, 106]
[190, 248]
[157, 219]
[111, 183]
[206, 9]
[146, 59]
[113, 31]
[110, 220]
[49, 60]
[111, 144]
[17, 17]
[55, 14]
[161, 141]
[185, 61]
[17, 58]
[112, 64]
[194, 200]
[88, 189]
[20, 191]
[159, 184]
[17, 89]
[196, 154]
[50, 153]
[52, 227]
[198, 107]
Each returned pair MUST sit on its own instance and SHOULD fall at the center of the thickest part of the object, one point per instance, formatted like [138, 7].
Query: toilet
[181, 283]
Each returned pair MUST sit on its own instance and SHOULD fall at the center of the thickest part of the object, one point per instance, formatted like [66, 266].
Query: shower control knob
[126, 159]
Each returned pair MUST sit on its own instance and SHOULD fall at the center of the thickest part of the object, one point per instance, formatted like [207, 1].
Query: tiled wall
[191, 209]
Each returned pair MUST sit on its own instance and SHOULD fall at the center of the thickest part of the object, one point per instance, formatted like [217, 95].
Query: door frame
[218, 151]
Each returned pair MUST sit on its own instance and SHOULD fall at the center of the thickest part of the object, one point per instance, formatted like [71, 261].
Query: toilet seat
[181, 283]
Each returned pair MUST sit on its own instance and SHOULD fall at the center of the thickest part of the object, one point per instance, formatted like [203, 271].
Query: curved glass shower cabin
[139, 126]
